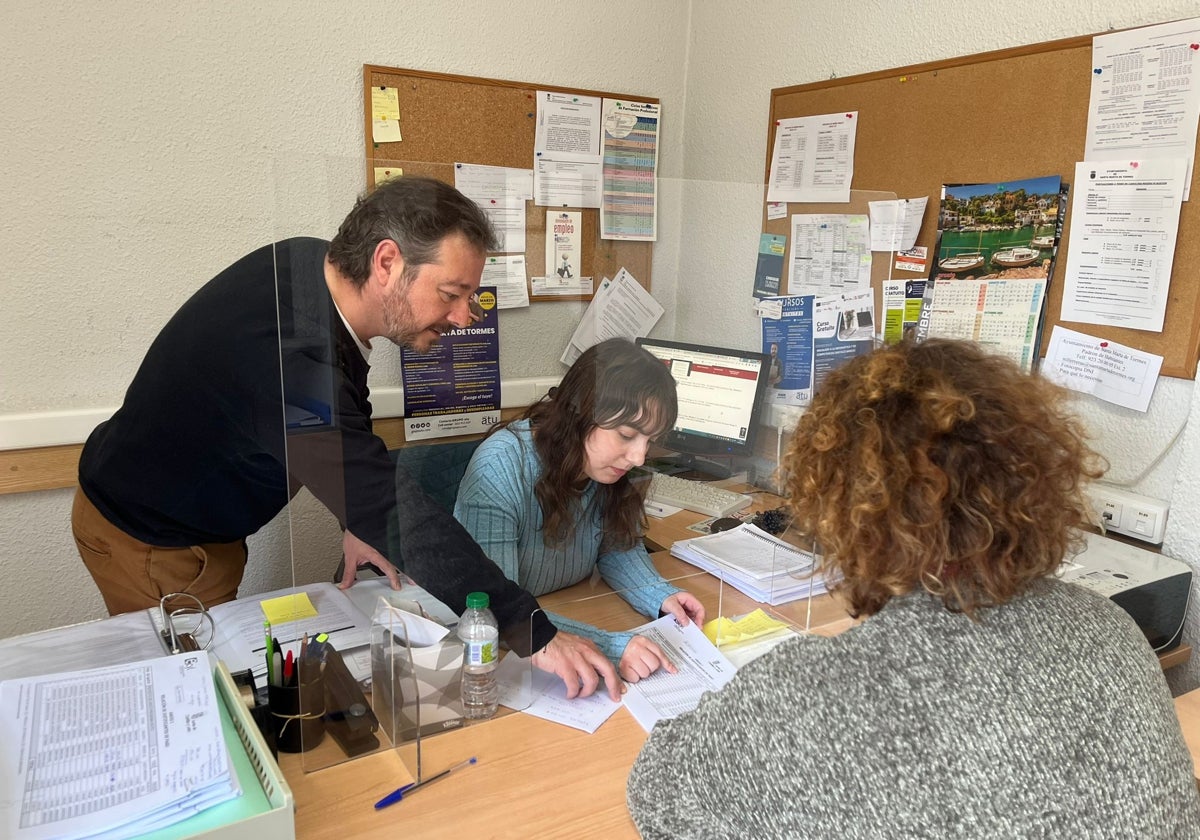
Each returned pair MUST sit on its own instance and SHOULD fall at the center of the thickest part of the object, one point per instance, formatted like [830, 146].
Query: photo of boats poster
[1004, 230]
[994, 258]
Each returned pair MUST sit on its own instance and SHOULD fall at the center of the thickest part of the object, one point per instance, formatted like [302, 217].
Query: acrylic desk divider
[416, 683]
[768, 588]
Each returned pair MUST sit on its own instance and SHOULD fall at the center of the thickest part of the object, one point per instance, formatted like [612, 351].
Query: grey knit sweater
[1049, 718]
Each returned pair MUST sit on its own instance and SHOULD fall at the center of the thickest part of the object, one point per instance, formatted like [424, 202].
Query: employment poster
[454, 387]
[787, 336]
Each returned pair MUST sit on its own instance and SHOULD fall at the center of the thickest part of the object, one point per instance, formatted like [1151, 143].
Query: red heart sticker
[1103, 343]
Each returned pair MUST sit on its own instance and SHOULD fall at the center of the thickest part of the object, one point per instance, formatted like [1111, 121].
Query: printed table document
[701, 668]
[113, 752]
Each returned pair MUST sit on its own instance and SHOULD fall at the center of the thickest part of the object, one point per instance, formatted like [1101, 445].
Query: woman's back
[1048, 718]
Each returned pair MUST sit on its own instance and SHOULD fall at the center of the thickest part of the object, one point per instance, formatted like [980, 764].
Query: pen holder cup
[298, 713]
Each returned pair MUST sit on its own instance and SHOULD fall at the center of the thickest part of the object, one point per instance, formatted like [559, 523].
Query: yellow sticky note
[385, 115]
[288, 608]
[387, 173]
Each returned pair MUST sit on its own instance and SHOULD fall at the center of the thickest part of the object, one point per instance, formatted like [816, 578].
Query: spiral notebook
[754, 562]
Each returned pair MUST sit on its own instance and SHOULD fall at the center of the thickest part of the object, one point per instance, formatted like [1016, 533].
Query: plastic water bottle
[480, 637]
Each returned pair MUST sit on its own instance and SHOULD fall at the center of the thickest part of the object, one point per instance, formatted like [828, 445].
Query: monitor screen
[720, 393]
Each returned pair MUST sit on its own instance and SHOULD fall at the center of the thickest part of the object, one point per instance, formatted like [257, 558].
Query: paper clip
[176, 641]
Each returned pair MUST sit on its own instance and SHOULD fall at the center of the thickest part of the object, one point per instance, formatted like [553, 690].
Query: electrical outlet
[1141, 517]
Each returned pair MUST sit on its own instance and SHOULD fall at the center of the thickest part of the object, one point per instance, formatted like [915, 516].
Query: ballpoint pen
[398, 794]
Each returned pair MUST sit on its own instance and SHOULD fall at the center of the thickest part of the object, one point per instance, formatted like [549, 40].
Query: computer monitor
[720, 394]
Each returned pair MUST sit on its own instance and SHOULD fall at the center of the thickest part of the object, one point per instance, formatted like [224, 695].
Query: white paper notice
[566, 183]
[1125, 216]
[701, 667]
[544, 695]
[502, 184]
[895, 224]
[813, 158]
[1105, 369]
[830, 254]
[621, 308]
[566, 150]
[509, 276]
[568, 125]
[1146, 94]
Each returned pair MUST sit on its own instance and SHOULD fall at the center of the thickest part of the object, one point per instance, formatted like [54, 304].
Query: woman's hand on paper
[684, 606]
[357, 553]
[580, 665]
[641, 658]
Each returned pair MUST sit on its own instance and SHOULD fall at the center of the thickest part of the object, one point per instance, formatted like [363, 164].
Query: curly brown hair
[941, 466]
[613, 383]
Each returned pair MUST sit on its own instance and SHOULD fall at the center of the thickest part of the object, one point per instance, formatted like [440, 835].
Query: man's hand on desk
[580, 664]
[356, 554]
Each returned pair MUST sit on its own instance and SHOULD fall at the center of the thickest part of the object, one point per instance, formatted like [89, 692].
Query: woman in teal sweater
[549, 499]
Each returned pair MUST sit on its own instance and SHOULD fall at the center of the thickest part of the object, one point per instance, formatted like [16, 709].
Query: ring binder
[176, 642]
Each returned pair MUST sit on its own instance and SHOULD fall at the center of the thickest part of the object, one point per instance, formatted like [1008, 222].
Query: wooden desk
[534, 778]
[1187, 707]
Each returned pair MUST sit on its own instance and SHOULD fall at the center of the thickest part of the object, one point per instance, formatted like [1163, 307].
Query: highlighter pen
[398, 794]
[270, 653]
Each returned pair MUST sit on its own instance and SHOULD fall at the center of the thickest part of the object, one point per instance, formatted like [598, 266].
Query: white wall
[146, 146]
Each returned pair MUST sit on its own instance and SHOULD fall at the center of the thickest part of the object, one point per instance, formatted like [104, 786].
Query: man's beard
[400, 324]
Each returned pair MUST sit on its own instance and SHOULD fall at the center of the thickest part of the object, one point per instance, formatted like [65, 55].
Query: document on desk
[544, 695]
[701, 667]
[112, 752]
[241, 644]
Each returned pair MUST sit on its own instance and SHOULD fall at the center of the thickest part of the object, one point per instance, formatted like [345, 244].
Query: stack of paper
[752, 561]
[112, 752]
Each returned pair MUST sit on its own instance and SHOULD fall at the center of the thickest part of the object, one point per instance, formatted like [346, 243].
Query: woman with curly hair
[980, 696]
[549, 499]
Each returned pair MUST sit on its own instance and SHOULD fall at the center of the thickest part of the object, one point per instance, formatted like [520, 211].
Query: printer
[1153, 588]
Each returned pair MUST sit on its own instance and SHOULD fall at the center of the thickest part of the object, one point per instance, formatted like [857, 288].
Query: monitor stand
[693, 467]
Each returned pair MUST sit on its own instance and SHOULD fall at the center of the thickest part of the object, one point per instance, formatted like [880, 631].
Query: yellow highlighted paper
[289, 608]
[723, 631]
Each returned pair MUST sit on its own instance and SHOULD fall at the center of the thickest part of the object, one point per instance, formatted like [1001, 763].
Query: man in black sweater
[197, 458]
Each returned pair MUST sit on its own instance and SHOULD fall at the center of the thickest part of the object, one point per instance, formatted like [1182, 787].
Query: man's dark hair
[416, 213]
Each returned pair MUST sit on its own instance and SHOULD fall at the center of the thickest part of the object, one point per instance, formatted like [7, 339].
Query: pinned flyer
[1113, 372]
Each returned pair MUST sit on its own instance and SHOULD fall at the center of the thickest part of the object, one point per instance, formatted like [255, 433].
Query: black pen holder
[298, 713]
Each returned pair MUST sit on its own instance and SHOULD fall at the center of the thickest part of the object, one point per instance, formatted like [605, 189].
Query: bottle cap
[477, 601]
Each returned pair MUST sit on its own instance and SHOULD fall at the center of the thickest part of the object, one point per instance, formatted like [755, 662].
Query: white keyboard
[694, 495]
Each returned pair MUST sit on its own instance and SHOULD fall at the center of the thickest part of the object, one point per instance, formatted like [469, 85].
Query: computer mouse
[723, 524]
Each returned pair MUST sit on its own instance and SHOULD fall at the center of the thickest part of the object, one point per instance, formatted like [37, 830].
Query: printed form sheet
[813, 158]
[1122, 245]
[701, 668]
[1145, 96]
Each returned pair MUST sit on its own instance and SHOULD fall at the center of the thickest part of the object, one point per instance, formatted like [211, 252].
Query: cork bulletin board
[991, 117]
[447, 119]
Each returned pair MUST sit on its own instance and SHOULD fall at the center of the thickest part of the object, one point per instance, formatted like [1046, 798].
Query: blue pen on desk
[399, 793]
